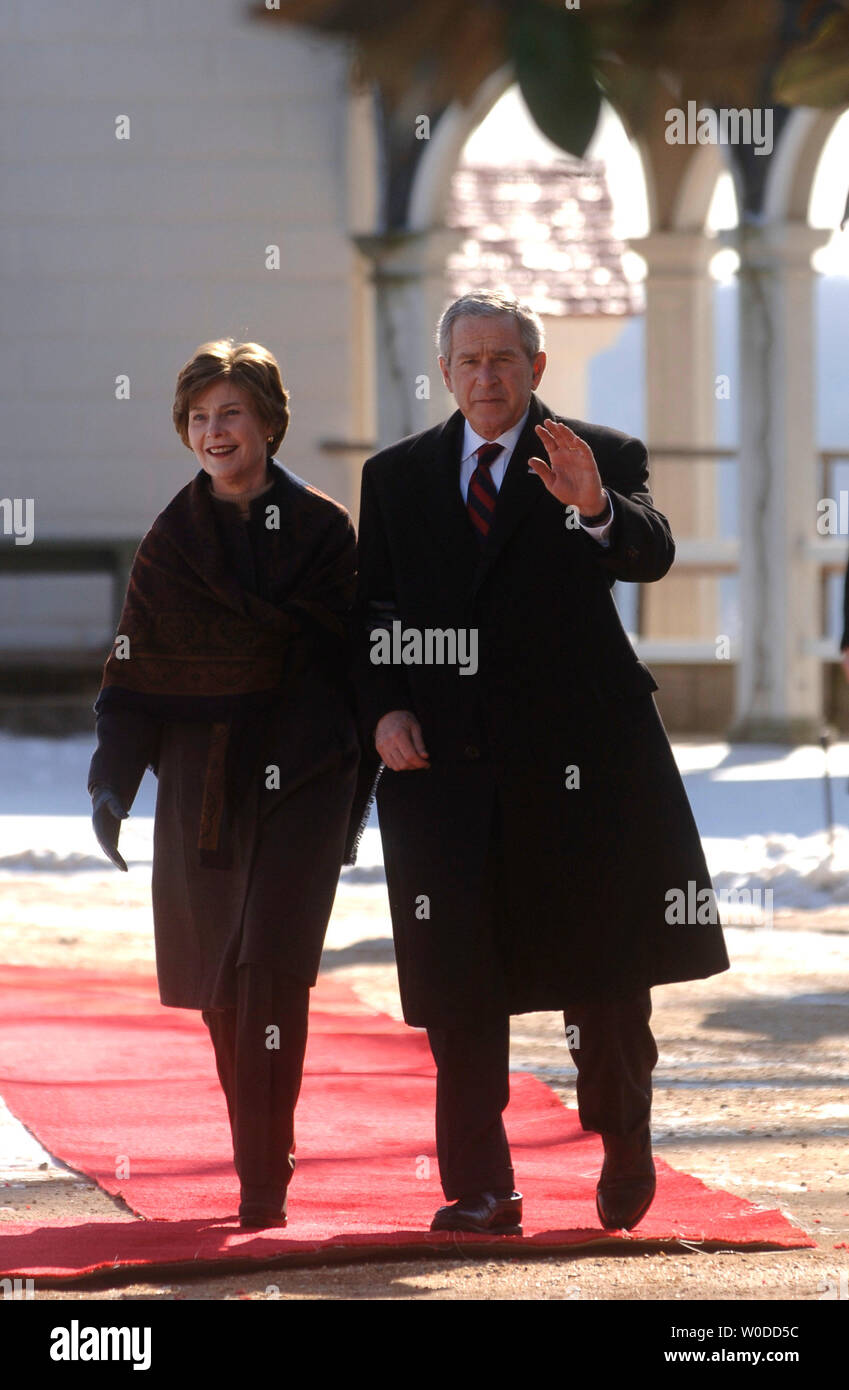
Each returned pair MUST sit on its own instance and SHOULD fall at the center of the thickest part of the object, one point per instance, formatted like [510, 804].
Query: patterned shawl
[193, 644]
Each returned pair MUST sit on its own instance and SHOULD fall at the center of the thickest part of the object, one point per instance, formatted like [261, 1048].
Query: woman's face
[229, 439]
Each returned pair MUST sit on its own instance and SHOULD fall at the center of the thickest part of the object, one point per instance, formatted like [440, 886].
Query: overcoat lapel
[440, 503]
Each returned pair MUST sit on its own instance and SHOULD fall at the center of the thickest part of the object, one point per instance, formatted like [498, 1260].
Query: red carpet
[126, 1091]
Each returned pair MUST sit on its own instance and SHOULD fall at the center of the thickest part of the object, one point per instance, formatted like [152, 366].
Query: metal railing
[714, 557]
[709, 557]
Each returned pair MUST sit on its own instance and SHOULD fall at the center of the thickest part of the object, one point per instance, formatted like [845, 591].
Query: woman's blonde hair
[248, 365]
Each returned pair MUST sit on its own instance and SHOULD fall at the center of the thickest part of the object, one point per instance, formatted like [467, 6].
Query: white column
[408, 270]
[679, 386]
[779, 679]
[571, 344]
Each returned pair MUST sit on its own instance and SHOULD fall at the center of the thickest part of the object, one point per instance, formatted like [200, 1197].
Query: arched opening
[610, 365]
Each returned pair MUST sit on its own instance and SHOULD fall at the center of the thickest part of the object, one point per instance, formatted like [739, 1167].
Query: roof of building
[545, 231]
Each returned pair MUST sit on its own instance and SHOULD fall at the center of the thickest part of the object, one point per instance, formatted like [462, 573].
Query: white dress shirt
[508, 440]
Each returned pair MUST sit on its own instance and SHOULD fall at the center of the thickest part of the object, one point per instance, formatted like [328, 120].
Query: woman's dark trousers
[259, 1051]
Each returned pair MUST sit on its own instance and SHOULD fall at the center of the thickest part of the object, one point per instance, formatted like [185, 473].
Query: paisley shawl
[193, 643]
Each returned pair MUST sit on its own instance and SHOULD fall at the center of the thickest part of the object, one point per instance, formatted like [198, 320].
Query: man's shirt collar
[472, 441]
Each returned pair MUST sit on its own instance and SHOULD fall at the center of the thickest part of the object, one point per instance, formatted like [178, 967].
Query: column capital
[685, 254]
[409, 255]
[775, 245]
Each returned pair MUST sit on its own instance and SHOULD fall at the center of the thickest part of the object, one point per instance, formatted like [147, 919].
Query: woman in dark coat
[228, 678]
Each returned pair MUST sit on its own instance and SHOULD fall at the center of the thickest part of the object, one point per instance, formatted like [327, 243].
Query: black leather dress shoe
[627, 1183]
[256, 1212]
[483, 1213]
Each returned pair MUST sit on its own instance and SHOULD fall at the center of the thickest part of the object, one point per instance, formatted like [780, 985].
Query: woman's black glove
[107, 814]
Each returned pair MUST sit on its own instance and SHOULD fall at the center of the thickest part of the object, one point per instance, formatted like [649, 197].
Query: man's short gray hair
[489, 304]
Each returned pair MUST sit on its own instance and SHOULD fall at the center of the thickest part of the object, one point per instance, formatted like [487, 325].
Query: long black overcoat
[272, 904]
[530, 865]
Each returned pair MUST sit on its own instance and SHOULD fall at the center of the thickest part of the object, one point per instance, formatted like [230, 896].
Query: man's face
[489, 373]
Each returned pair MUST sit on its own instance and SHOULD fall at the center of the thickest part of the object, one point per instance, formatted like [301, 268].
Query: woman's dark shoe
[627, 1183]
[258, 1209]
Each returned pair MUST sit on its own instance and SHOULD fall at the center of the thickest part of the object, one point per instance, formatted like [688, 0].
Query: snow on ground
[760, 810]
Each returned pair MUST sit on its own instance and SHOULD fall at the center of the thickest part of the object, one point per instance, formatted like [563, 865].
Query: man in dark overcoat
[540, 850]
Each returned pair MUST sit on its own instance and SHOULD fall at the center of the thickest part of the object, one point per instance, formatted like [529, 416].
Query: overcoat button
[631, 553]
[471, 751]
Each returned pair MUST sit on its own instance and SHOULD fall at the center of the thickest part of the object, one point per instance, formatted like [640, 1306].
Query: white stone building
[154, 156]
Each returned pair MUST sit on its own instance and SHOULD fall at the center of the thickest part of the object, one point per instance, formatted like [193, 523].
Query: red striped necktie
[483, 494]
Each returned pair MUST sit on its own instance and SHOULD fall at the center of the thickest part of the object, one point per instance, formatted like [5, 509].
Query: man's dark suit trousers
[615, 1055]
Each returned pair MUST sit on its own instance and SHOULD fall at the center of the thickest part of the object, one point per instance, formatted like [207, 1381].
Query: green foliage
[818, 73]
[552, 55]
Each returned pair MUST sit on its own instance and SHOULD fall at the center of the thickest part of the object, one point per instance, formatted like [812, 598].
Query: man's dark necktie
[483, 494]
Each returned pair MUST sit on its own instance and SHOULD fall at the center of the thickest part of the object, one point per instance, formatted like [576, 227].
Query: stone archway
[409, 272]
[407, 269]
[778, 692]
